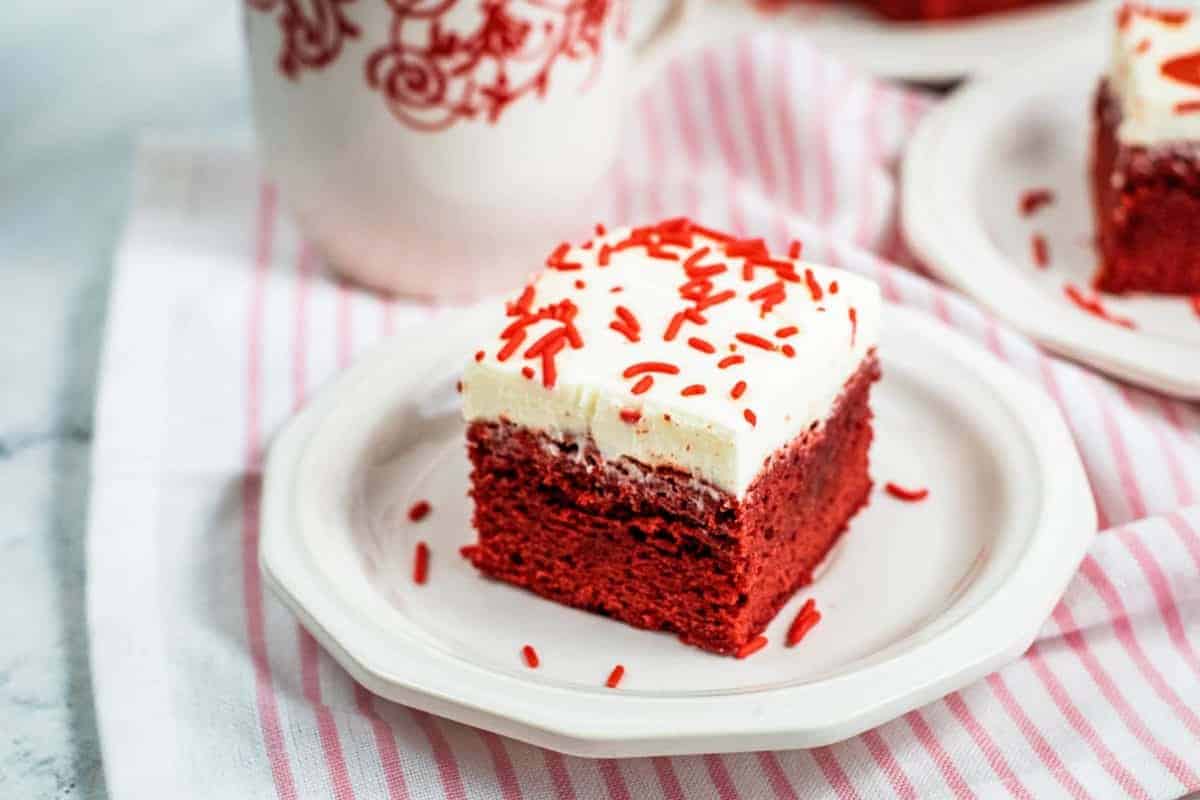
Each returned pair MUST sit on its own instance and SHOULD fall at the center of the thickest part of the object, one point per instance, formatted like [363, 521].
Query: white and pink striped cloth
[222, 322]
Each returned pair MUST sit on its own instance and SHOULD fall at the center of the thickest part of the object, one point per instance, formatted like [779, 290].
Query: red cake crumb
[419, 510]
[421, 564]
[907, 495]
[1146, 201]
[615, 676]
[531, 657]
[632, 542]
[630, 416]
[1033, 200]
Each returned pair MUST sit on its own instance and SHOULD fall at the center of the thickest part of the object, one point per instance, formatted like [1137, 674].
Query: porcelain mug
[442, 147]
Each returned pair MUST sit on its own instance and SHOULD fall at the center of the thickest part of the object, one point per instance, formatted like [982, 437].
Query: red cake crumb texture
[907, 495]
[1146, 201]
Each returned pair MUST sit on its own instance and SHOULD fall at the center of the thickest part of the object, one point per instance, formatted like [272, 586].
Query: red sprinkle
[785, 332]
[643, 385]
[531, 657]
[751, 647]
[628, 318]
[738, 390]
[1142, 47]
[600, 229]
[421, 564]
[853, 314]
[458, 387]
[673, 326]
[615, 289]
[795, 249]
[1041, 251]
[527, 372]
[603, 256]
[580, 285]
[714, 300]
[814, 288]
[478, 355]
[701, 345]
[833, 287]
[729, 361]
[805, 620]
[1033, 200]
[555, 261]
[788, 351]
[693, 260]
[625, 331]
[615, 676]
[511, 346]
[630, 415]
[754, 340]
[419, 510]
[694, 389]
[1188, 107]
[1092, 305]
[650, 366]
[751, 417]
[907, 495]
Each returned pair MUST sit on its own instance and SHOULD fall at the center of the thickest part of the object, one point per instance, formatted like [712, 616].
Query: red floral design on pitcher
[313, 32]
[432, 76]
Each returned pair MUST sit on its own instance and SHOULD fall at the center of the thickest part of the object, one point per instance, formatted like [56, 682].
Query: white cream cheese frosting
[714, 391]
[1155, 73]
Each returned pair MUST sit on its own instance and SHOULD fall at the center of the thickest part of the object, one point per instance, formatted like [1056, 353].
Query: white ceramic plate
[963, 175]
[918, 599]
[930, 52]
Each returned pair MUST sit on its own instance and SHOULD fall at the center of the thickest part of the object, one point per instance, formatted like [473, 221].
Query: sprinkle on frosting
[695, 303]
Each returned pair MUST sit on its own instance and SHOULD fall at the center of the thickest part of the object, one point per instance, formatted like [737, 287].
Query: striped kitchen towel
[223, 321]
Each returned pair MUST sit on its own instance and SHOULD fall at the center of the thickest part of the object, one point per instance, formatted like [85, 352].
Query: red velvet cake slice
[670, 427]
[1146, 155]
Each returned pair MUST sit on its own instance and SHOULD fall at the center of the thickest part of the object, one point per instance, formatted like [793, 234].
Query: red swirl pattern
[313, 32]
[432, 76]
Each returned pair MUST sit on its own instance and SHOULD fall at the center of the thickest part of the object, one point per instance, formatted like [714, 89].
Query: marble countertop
[79, 86]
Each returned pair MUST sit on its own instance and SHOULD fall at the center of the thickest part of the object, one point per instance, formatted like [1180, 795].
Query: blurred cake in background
[1146, 154]
[925, 10]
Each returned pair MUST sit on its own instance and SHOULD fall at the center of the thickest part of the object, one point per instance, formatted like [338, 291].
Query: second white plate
[918, 599]
[964, 173]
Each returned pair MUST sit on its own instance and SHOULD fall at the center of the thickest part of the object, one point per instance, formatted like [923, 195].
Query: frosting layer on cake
[676, 346]
[1155, 74]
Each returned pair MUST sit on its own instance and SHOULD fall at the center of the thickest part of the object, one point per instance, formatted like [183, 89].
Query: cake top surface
[1156, 74]
[676, 345]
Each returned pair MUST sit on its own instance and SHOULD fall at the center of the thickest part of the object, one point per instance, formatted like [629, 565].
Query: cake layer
[1155, 74]
[1147, 203]
[676, 346]
[652, 546]
[932, 10]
